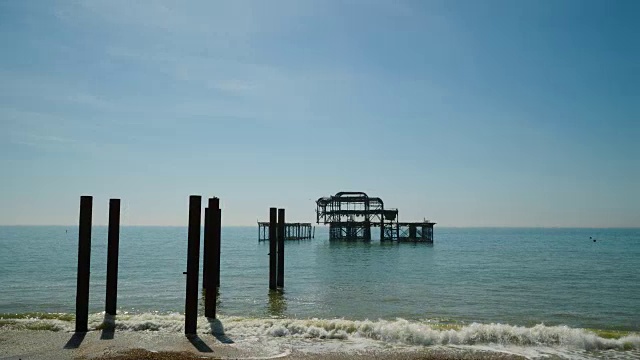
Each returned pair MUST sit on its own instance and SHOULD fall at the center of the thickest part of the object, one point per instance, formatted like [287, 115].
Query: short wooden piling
[281, 236]
[273, 247]
[84, 263]
[193, 258]
[113, 244]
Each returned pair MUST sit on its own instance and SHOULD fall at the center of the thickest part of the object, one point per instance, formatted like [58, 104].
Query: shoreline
[102, 345]
[149, 336]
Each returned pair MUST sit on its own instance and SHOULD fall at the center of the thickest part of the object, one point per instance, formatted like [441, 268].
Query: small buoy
[594, 240]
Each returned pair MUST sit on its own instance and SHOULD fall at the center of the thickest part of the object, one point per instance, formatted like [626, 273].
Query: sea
[535, 292]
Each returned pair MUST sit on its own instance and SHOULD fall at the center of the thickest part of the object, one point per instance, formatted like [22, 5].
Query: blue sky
[469, 113]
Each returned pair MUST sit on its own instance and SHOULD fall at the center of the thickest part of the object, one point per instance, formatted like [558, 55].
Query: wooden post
[273, 242]
[281, 234]
[210, 258]
[206, 261]
[113, 244]
[206, 247]
[193, 258]
[84, 263]
[217, 242]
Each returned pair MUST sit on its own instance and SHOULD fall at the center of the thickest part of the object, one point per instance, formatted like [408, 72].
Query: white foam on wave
[363, 334]
[406, 332]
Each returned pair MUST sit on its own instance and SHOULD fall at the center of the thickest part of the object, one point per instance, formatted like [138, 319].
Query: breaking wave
[389, 332]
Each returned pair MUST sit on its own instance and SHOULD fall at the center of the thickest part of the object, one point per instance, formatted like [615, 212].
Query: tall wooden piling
[84, 263]
[281, 236]
[217, 243]
[206, 248]
[273, 248]
[113, 244]
[208, 278]
[211, 262]
[193, 258]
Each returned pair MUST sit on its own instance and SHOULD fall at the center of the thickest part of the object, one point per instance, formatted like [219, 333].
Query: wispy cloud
[53, 89]
[90, 100]
[39, 140]
[233, 85]
[64, 144]
[219, 20]
[42, 141]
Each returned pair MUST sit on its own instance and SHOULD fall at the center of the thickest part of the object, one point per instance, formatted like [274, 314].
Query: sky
[468, 113]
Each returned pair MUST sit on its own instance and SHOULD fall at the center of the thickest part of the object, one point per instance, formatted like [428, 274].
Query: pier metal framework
[416, 231]
[351, 215]
[293, 231]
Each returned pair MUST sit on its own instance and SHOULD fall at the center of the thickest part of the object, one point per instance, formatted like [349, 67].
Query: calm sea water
[487, 275]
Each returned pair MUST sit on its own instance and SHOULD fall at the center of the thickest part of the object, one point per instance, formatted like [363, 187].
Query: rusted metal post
[84, 263]
[281, 233]
[273, 249]
[193, 257]
[113, 245]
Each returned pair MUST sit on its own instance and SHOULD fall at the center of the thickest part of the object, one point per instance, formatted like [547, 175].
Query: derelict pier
[351, 215]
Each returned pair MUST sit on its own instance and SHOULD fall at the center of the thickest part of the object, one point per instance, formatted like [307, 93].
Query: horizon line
[323, 225]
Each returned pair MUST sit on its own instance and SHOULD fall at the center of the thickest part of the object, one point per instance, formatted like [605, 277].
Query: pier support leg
[281, 233]
[217, 243]
[273, 247]
[84, 263]
[113, 245]
[193, 257]
[412, 232]
[211, 261]
[206, 249]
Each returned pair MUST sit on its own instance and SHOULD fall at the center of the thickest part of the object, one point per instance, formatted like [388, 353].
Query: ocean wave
[400, 331]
